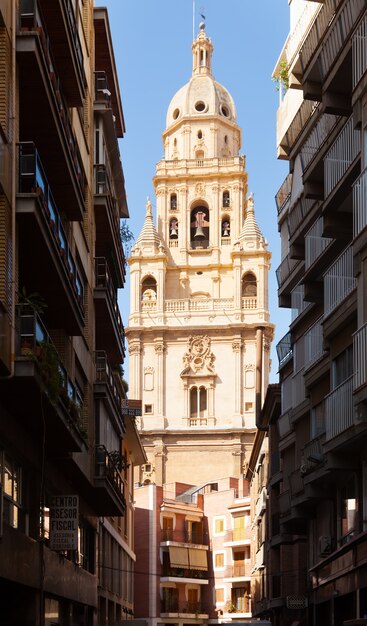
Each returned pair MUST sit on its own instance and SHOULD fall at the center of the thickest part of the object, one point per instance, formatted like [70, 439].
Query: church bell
[199, 233]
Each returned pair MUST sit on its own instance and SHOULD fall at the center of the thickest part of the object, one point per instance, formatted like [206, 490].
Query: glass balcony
[33, 180]
[339, 281]
[284, 193]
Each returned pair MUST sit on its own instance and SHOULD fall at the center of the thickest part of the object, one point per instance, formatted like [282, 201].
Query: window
[226, 227]
[249, 287]
[348, 502]
[200, 134]
[200, 106]
[219, 526]
[149, 289]
[148, 408]
[11, 480]
[198, 402]
[173, 201]
[249, 406]
[317, 420]
[239, 564]
[173, 229]
[219, 560]
[226, 197]
[199, 227]
[176, 113]
[219, 595]
[239, 528]
[167, 529]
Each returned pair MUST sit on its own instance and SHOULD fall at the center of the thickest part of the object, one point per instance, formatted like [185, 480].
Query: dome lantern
[202, 50]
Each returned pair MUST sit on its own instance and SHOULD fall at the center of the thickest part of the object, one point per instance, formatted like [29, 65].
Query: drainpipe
[259, 376]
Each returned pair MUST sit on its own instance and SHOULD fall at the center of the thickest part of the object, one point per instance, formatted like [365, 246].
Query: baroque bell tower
[199, 331]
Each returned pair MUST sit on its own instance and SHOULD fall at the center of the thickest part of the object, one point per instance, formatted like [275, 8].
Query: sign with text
[131, 408]
[64, 517]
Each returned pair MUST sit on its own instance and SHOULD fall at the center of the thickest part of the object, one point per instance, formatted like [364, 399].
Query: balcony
[313, 454]
[201, 166]
[339, 281]
[46, 119]
[359, 56]
[339, 409]
[284, 194]
[286, 393]
[284, 350]
[284, 425]
[287, 267]
[41, 380]
[321, 24]
[202, 304]
[359, 204]
[298, 302]
[184, 574]
[360, 357]
[341, 156]
[110, 333]
[284, 503]
[43, 243]
[315, 243]
[298, 214]
[189, 610]
[66, 47]
[109, 487]
[106, 390]
[314, 343]
[317, 138]
[237, 536]
[293, 116]
[184, 535]
[107, 217]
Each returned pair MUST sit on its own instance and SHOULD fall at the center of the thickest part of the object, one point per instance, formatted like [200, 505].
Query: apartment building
[66, 450]
[316, 563]
[193, 555]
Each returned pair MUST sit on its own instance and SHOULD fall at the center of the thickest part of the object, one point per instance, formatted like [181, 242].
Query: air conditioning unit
[325, 545]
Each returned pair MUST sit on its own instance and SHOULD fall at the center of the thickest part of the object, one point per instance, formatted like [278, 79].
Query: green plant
[127, 236]
[282, 78]
[33, 299]
[48, 361]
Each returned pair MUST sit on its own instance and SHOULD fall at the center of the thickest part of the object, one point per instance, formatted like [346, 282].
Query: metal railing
[298, 213]
[298, 303]
[359, 356]
[221, 162]
[31, 15]
[174, 606]
[284, 501]
[284, 424]
[185, 535]
[338, 281]
[303, 115]
[340, 30]
[359, 52]
[285, 269]
[322, 22]
[313, 343]
[33, 180]
[313, 454]
[341, 155]
[107, 468]
[101, 90]
[339, 409]
[104, 281]
[70, 13]
[298, 388]
[296, 483]
[286, 394]
[104, 374]
[317, 137]
[300, 32]
[359, 203]
[284, 193]
[315, 243]
[284, 349]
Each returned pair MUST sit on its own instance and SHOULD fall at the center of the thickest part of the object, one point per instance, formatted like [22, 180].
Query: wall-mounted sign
[131, 407]
[64, 517]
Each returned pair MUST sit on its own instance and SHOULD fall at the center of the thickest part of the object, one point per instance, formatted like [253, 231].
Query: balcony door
[193, 600]
[167, 529]
[239, 528]
[239, 563]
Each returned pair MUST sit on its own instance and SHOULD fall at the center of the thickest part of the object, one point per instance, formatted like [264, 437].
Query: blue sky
[152, 43]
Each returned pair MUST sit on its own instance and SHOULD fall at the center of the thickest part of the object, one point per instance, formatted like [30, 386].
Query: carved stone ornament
[200, 189]
[199, 357]
[159, 348]
[148, 370]
[236, 345]
[135, 348]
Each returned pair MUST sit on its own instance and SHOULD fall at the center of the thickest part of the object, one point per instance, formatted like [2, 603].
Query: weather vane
[202, 15]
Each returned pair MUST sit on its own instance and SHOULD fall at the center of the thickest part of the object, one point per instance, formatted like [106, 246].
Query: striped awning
[198, 559]
[179, 557]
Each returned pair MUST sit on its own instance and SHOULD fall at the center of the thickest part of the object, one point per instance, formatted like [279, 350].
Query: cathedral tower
[199, 330]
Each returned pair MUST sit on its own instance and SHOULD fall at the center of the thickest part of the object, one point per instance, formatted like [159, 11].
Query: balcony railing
[184, 535]
[359, 52]
[341, 155]
[32, 180]
[180, 572]
[317, 137]
[359, 203]
[285, 269]
[284, 424]
[70, 14]
[284, 502]
[339, 409]
[275, 462]
[300, 31]
[31, 17]
[185, 164]
[107, 468]
[298, 388]
[315, 243]
[174, 606]
[34, 342]
[104, 374]
[313, 454]
[306, 110]
[313, 343]
[284, 349]
[338, 281]
[298, 213]
[359, 355]
[286, 393]
[104, 281]
[321, 24]
[204, 304]
[284, 193]
[298, 303]
[296, 483]
[101, 90]
[237, 534]
[340, 30]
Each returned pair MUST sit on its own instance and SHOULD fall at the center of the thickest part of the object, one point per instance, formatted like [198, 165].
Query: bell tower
[199, 293]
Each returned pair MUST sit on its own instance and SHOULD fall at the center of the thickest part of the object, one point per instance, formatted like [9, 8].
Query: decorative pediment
[199, 359]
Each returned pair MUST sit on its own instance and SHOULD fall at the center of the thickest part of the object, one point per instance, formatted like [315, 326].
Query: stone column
[134, 379]
[236, 347]
[159, 349]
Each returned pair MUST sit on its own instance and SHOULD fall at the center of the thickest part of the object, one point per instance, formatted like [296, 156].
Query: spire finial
[148, 206]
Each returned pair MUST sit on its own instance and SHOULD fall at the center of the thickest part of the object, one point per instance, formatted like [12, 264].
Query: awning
[179, 557]
[198, 559]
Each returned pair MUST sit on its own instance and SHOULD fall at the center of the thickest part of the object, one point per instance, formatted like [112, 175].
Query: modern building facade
[66, 450]
[193, 560]
[319, 477]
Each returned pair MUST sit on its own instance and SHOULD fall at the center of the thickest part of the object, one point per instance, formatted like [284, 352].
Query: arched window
[173, 201]
[149, 290]
[198, 402]
[173, 228]
[249, 285]
[199, 227]
[226, 198]
[226, 227]
[200, 134]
